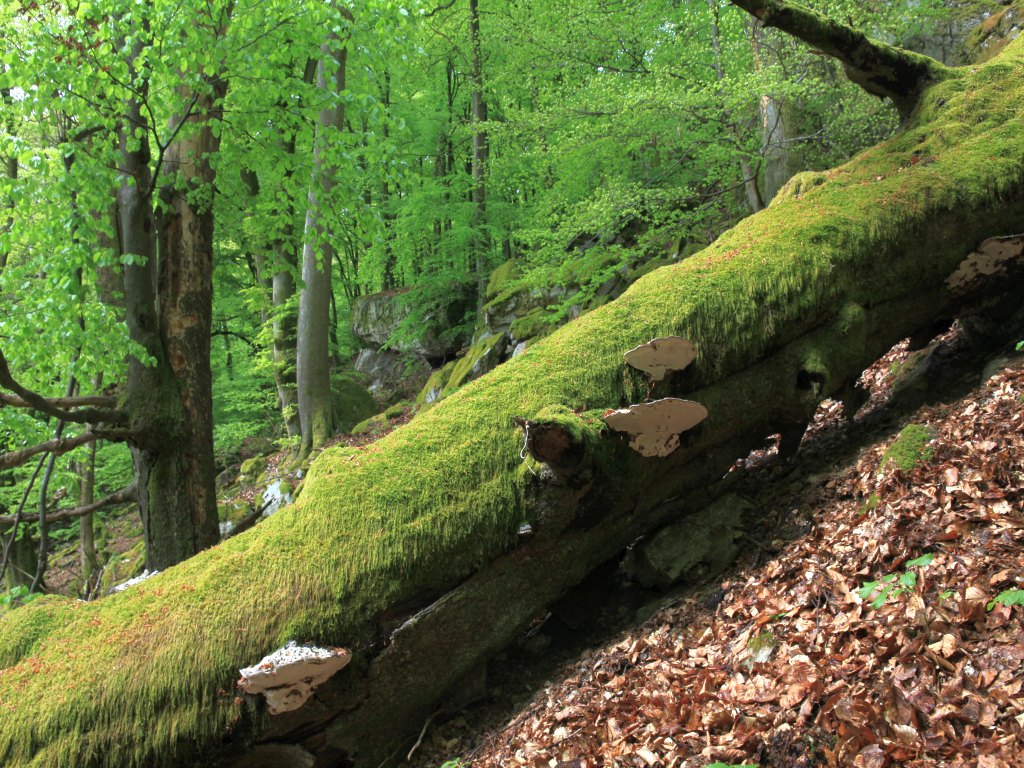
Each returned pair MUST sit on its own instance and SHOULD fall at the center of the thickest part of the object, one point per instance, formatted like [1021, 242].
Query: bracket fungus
[654, 427]
[992, 258]
[659, 356]
[287, 677]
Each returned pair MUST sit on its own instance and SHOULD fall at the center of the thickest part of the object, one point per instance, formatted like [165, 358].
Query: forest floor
[859, 627]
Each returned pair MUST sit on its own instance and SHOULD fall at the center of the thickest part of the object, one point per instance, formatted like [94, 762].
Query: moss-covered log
[407, 551]
[878, 68]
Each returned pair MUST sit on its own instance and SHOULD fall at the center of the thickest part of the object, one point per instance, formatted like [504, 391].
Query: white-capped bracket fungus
[659, 356]
[654, 428]
[287, 677]
[993, 257]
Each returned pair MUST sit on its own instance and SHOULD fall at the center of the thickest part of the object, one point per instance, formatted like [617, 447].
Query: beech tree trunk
[408, 553]
[168, 306]
[481, 241]
[313, 352]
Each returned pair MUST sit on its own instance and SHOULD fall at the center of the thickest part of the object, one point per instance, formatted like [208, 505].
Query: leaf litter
[794, 667]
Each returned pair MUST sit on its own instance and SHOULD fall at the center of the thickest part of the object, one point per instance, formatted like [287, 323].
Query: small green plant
[456, 763]
[1009, 597]
[869, 505]
[893, 585]
[16, 596]
[731, 765]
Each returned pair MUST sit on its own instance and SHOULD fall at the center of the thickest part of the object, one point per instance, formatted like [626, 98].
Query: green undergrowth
[144, 676]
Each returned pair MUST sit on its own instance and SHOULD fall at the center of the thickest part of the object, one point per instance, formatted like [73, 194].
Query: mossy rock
[501, 278]
[379, 422]
[122, 567]
[535, 324]
[481, 357]
[232, 511]
[251, 468]
[398, 409]
[595, 263]
[352, 402]
[910, 448]
[435, 385]
[993, 34]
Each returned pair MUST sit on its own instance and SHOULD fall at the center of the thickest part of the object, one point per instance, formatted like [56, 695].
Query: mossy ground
[142, 677]
[909, 449]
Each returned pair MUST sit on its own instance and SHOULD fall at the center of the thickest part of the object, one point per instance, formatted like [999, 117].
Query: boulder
[352, 401]
[377, 317]
[994, 33]
[387, 370]
[699, 547]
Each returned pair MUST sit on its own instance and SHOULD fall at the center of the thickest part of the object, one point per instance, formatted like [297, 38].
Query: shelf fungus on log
[993, 258]
[654, 428]
[287, 677]
[659, 356]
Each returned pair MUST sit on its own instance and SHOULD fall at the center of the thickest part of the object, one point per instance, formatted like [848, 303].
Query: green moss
[799, 184]
[232, 511]
[595, 263]
[989, 38]
[435, 384]
[137, 679]
[500, 278]
[910, 448]
[478, 359]
[251, 468]
[396, 410]
[537, 322]
[352, 403]
[122, 567]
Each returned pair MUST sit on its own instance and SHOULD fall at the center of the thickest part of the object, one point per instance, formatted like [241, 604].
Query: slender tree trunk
[87, 558]
[284, 314]
[313, 358]
[750, 173]
[481, 242]
[773, 127]
[11, 169]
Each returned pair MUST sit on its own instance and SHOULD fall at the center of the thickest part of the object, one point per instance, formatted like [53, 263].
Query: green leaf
[921, 561]
[1008, 598]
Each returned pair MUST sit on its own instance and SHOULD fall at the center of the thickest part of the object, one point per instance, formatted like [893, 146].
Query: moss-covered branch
[880, 69]
[407, 551]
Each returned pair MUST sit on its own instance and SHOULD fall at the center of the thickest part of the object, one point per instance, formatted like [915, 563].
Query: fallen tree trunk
[407, 552]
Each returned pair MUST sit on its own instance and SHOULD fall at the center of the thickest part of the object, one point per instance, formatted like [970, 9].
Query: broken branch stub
[287, 677]
[654, 428]
[659, 356]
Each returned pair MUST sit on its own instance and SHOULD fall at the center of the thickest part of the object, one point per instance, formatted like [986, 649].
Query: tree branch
[879, 68]
[122, 496]
[40, 403]
[59, 445]
[94, 401]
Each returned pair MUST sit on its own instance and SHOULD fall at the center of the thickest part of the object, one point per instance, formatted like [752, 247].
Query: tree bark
[11, 170]
[313, 354]
[880, 69]
[407, 553]
[481, 240]
[168, 312]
